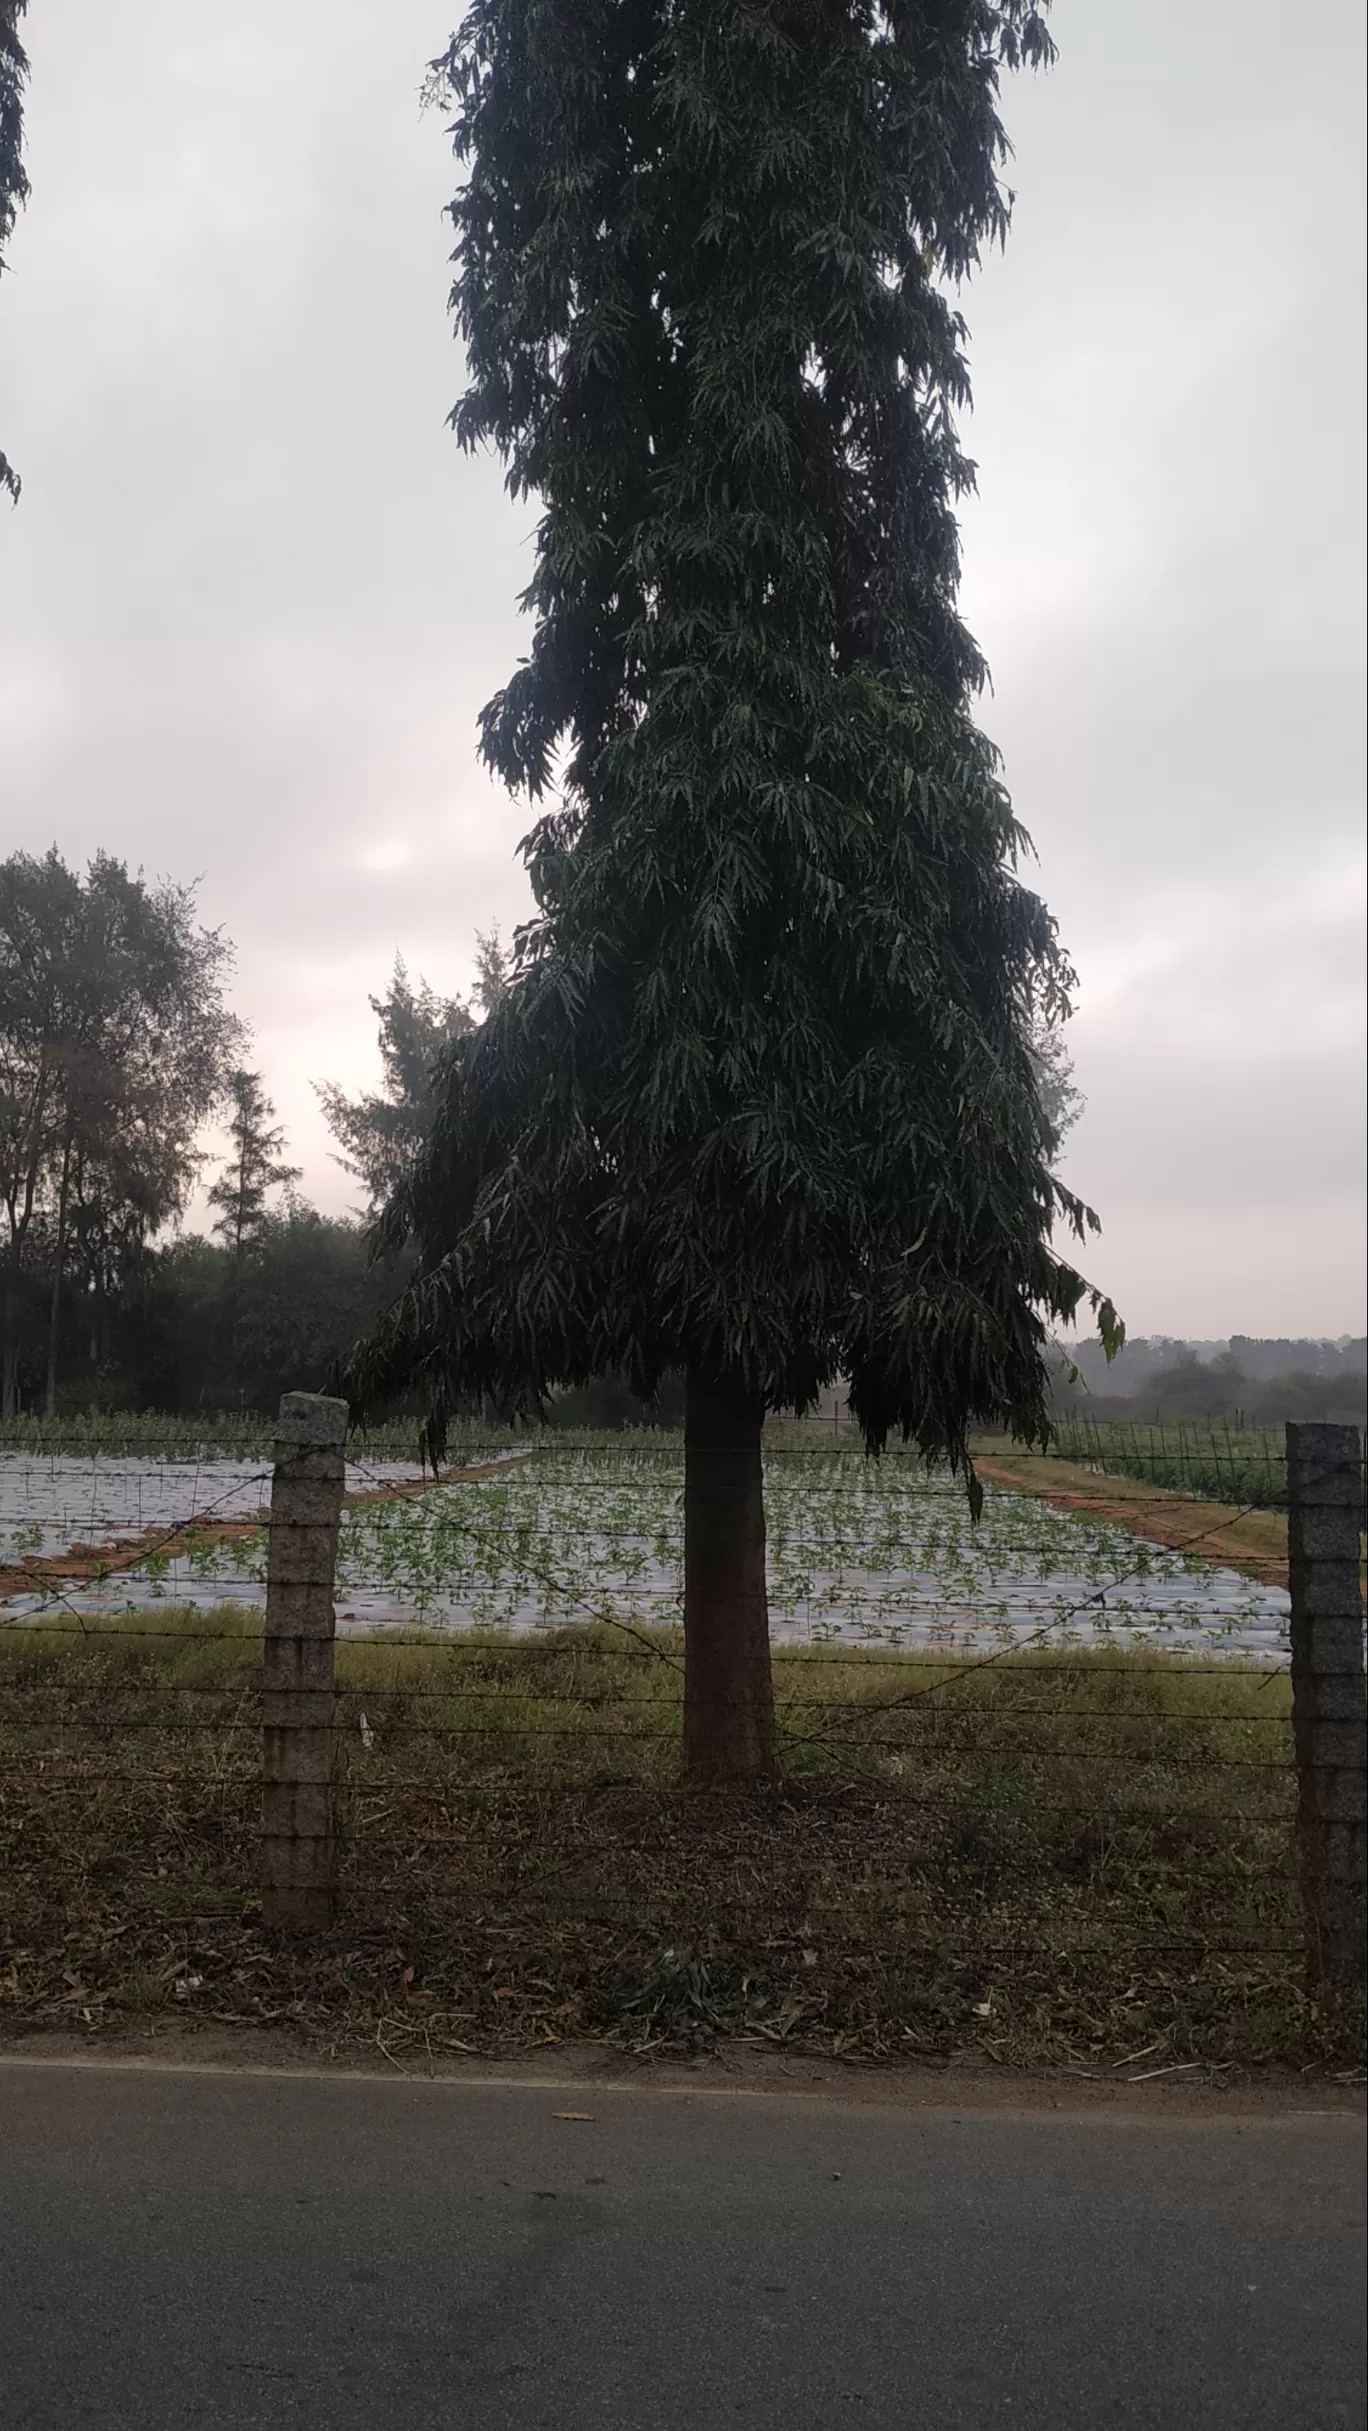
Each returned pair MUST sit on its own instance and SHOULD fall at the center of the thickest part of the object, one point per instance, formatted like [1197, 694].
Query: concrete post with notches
[1329, 1708]
[298, 1849]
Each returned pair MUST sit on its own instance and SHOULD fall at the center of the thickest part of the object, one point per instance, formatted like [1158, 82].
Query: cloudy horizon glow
[253, 596]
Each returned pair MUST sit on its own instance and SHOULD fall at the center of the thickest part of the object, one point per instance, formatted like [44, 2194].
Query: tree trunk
[728, 1690]
[9, 1354]
[55, 1314]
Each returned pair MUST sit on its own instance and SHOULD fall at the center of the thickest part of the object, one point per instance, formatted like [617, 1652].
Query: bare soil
[1251, 1542]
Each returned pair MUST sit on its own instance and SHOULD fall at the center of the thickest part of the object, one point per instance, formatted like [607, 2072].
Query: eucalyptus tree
[760, 1103]
[114, 1039]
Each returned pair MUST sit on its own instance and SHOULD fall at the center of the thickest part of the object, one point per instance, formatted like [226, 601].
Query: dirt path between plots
[82, 1564]
[1252, 1542]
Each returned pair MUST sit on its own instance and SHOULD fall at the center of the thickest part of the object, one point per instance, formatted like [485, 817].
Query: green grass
[1044, 1859]
[838, 1706]
[1204, 1458]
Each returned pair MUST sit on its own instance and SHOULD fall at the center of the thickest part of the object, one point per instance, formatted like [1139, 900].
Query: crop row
[1244, 1466]
[875, 1551]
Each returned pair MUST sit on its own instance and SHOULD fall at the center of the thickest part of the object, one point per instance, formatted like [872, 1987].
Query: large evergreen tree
[760, 1102]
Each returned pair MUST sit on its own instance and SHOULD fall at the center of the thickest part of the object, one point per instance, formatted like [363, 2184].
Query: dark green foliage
[14, 184]
[113, 1042]
[1220, 1388]
[1244, 1466]
[115, 1045]
[305, 1289]
[242, 1195]
[182, 1329]
[255, 1168]
[381, 1132]
[608, 1401]
[761, 1100]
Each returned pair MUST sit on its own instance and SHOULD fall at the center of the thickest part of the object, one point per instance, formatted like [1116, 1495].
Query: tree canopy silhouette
[760, 1103]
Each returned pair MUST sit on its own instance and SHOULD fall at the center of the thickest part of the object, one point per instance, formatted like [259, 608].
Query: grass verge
[1047, 1858]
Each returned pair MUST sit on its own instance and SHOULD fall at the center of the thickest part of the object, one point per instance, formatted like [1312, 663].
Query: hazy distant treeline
[1254, 1380]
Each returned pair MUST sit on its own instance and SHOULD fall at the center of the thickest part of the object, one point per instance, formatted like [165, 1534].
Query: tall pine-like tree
[760, 1102]
[381, 1132]
[254, 1169]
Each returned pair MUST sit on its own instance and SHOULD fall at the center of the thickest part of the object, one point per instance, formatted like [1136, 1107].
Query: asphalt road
[180, 2248]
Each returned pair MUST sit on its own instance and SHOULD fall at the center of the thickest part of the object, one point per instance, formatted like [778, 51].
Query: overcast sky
[253, 596]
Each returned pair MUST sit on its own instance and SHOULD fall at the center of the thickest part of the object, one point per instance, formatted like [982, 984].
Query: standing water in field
[859, 1552]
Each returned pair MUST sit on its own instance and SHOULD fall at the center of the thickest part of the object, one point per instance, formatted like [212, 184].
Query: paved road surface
[213, 2252]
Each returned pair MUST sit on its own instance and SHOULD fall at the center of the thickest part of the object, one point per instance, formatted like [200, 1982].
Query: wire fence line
[934, 1790]
[1192, 1450]
[1207, 1458]
[871, 1551]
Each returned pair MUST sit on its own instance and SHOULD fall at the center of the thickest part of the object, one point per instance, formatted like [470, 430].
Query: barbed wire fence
[320, 1778]
[1210, 1458]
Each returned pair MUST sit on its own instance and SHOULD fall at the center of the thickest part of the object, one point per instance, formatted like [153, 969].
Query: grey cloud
[253, 597]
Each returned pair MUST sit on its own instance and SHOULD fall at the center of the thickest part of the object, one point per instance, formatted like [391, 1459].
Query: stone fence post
[298, 1857]
[1329, 1713]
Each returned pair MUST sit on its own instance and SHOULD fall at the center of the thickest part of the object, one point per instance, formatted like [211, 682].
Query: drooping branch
[14, 184]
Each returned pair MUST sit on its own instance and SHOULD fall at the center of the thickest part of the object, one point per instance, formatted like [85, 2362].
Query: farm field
[1230, 1537]
[1245, 1466]
[1036, 1793]
[864, 1553]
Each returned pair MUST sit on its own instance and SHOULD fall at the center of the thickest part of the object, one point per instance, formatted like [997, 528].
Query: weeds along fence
[248, 1768]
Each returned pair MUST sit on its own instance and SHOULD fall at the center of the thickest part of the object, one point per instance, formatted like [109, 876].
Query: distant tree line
[116, 1049]
[1250, 1380]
